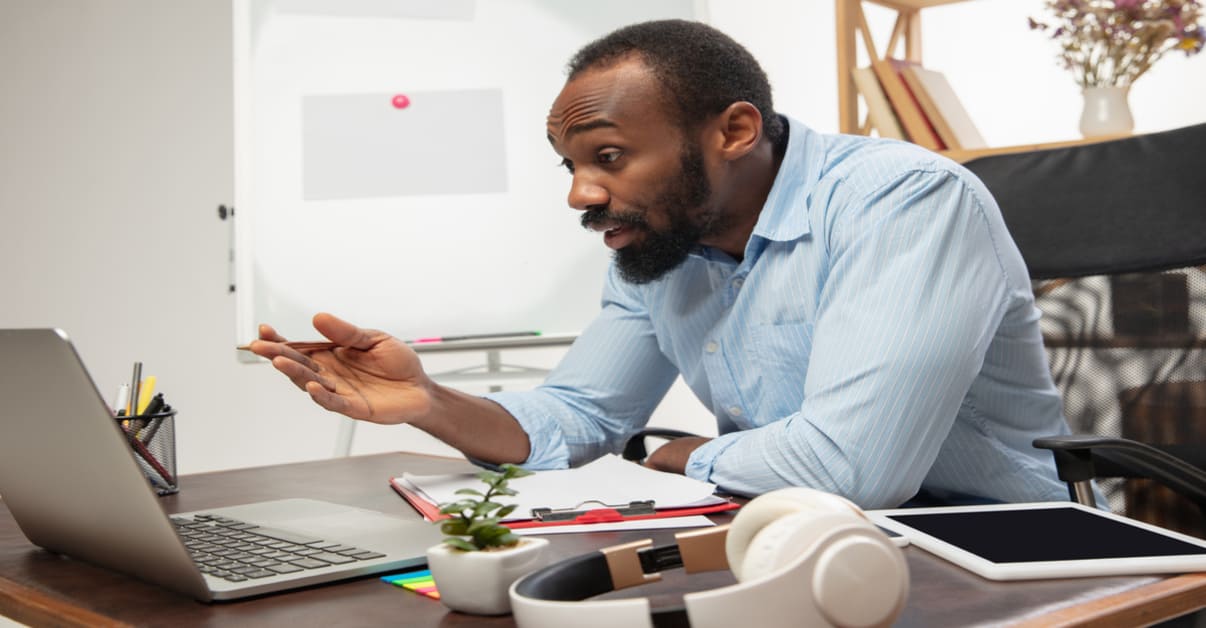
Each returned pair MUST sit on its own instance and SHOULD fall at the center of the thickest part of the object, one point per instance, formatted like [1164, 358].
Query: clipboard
[634, 511]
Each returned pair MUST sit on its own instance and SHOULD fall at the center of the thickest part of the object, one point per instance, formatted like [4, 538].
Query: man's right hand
[368, 375]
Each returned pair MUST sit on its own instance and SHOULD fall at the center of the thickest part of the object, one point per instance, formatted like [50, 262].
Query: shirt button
[711, 347]
[735, 411]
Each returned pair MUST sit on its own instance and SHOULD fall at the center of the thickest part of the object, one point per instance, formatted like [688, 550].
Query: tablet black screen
[1057, 533]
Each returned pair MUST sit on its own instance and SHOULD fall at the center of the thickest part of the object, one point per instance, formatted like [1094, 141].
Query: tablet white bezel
[1043, 569]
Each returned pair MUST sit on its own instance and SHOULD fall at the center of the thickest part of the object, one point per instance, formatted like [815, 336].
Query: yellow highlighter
[145, 392]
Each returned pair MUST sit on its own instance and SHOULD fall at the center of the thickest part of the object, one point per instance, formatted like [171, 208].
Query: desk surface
[39, 588]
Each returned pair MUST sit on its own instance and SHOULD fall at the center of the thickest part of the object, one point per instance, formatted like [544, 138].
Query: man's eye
[608, 156]
[568, 165]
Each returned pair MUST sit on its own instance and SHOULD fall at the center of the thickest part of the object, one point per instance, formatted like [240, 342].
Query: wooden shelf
[852, 28]
[966, 155]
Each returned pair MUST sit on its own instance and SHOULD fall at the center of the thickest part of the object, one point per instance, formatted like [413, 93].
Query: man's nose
[585, 194]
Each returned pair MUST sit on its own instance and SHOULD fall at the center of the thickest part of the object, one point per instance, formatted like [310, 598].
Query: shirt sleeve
[913, 296]
[602, 391]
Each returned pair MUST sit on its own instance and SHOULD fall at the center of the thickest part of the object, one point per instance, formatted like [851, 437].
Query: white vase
[477, 582]
[1106, 112]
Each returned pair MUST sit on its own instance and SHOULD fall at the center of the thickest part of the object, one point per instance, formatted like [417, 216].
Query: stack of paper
[607, 483]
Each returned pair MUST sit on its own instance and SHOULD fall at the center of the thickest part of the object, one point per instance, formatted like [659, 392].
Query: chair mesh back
[1114, 236]
[1128, 353]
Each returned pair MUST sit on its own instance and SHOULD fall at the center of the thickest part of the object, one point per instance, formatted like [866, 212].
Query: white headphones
[801, 557]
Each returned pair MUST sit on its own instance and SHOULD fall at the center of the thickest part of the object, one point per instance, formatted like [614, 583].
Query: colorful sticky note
[420, 582]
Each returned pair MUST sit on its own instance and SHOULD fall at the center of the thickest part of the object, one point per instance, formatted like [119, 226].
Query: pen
[144, 395]
[317, 345]
[151, 460]
[134, 389]
[155, 407]
[123, 399]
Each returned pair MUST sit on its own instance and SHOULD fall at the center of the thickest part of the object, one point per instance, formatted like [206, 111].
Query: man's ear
[740, 129]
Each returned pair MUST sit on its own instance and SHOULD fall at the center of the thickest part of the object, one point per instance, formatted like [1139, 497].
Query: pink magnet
[401, 101]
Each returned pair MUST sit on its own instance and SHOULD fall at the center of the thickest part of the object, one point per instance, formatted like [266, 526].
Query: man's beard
[662, 251]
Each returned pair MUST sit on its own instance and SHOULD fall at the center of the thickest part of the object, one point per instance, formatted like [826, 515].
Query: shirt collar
[784, 216]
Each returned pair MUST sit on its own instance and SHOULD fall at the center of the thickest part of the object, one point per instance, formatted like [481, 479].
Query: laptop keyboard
[237, 551]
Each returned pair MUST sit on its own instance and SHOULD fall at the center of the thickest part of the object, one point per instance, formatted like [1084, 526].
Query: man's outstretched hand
[367, 375]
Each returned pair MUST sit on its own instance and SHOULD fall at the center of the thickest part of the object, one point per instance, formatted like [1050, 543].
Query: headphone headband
[806, 561]
[628, 565]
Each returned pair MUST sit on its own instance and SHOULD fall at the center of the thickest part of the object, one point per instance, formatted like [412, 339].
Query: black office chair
[1114, 235]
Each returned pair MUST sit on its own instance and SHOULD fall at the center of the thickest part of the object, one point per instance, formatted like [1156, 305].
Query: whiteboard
[333, 98]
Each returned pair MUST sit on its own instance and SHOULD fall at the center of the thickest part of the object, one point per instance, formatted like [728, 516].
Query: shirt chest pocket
[781, 352]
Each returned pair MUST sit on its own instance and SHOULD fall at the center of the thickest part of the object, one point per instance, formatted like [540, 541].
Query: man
[852, 310]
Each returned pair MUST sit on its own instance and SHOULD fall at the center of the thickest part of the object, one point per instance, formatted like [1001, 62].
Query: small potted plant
[474, 567]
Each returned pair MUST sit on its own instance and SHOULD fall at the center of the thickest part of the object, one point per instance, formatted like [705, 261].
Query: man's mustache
[602, 215]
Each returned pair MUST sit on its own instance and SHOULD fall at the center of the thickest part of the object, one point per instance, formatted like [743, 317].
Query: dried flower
[1113, 42]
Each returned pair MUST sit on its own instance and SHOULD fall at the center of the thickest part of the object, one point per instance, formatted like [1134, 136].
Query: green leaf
[469, 491]
[489, 477]
[510, 471]
[460, 544]
[505, 491]
[492, 533]
[507, 539]
[456, 508]
[482, 523]
[454, 526]
[485, 508]
[506, 510]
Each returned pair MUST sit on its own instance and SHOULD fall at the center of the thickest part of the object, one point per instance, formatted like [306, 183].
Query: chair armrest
[635, 449]
[1081, 457]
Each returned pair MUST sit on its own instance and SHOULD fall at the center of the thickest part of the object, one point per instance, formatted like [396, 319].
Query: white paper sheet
[691, 521]
[609, 481]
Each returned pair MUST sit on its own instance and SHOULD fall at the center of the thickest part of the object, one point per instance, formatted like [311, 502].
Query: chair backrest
[1114, 235]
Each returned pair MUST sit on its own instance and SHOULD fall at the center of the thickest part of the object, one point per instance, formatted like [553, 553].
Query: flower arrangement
[477, 516]
[1114, 42]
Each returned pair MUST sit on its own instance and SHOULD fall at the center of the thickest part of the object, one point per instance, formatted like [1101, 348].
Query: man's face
[638, 179]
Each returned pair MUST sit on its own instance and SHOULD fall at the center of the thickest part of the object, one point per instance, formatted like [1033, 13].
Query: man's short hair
[702, 70]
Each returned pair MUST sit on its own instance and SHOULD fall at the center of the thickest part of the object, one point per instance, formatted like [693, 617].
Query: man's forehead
[600, 98]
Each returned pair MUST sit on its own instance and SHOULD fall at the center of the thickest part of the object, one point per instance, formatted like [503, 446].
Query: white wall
[116, 148]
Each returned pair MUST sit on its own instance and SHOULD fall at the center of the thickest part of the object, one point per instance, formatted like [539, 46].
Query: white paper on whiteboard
[438, 142]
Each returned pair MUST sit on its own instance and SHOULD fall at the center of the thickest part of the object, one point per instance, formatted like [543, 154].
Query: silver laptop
[70, 480]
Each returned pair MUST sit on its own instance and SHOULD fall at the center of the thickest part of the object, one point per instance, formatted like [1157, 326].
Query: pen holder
[152, 437]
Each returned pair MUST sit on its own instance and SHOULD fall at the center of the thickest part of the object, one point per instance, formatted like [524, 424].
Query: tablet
[1044, 540]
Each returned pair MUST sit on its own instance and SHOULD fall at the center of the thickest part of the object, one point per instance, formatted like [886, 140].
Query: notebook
[70, 480]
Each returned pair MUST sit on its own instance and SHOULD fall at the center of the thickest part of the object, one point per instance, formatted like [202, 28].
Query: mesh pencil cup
[152, 437]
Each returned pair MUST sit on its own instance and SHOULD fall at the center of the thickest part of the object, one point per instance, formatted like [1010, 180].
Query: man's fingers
[344, 333]
[268, 333]
[273, 350]
[300, 374]
[331, 401]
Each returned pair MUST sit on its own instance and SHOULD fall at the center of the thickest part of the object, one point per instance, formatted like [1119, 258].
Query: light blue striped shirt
[878, 337]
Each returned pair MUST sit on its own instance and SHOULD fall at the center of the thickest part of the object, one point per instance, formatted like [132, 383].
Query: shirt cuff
[546, 441]
[701, 461]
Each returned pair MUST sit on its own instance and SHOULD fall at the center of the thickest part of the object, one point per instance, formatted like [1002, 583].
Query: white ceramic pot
[477, 582]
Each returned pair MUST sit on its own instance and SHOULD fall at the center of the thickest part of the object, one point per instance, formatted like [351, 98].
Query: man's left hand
[672, 456]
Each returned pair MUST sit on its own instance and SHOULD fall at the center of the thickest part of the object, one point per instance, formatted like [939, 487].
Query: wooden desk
[42, 589]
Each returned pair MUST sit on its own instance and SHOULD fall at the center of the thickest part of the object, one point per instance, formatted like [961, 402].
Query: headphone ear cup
[783, 540]
[765, 509]
[858, 578]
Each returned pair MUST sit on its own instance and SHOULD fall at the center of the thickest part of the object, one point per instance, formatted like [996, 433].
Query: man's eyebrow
[598, 123]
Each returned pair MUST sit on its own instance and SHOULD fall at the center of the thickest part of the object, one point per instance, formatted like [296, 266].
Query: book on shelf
[943, 108]
[879, 110]
[916, 125]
